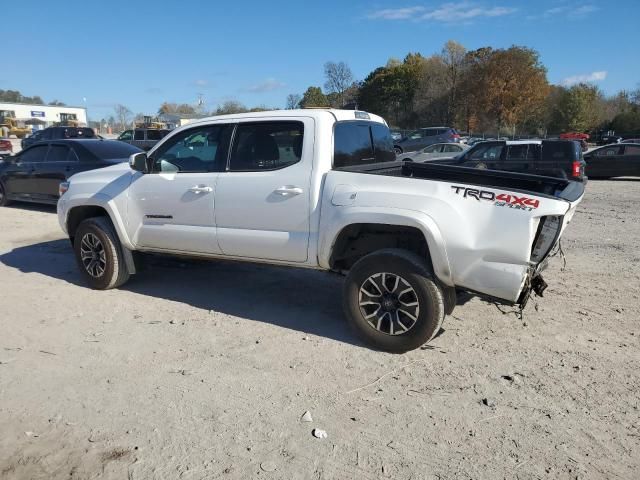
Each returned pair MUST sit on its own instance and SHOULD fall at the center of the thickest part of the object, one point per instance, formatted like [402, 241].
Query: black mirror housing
[138, 162]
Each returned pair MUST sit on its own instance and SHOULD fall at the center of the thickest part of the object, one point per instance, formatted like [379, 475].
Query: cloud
[268, 85]
[570, 11]
[585, 78]
[445, 13]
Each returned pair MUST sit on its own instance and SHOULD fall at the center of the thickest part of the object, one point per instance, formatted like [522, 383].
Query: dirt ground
[203, 370]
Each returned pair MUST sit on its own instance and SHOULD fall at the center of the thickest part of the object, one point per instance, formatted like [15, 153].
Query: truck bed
[554, 187]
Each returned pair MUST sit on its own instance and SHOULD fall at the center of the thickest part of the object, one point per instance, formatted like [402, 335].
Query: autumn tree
[575, 109]
[176, 108]
[339, 79]
[314, 97]
[229, 107]
[453, 57]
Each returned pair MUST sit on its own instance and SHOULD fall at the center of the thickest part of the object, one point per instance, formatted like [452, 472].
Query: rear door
[19, 176]
[61, 162]
[263, 199]
[629, 162]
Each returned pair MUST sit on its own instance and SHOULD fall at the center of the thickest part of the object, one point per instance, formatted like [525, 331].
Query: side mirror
[138, 162]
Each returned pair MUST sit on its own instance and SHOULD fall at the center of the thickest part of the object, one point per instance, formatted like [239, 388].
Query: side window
[197, 150]
[34, 154]
[608, 151]
[138, 135]
[266, 146]
[154, 135]
[632, 150]
[517, 152]
[487, 152]
[58, 153]
[430, 149]
[382, 143]
[416, 135]
[126, 135]
[451, 148]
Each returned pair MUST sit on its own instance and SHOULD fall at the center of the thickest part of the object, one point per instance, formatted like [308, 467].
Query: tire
[106, 268]
[398, 150]
[396, 312]
[4, 201]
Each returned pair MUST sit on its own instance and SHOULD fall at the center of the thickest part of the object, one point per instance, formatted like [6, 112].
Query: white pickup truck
[322, 189]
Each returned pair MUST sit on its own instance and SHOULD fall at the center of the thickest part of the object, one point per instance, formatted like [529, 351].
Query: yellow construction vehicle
[8, 121]
[68, 120]
[149, 122]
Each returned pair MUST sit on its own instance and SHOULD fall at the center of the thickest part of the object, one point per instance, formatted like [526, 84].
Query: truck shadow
[303, 300]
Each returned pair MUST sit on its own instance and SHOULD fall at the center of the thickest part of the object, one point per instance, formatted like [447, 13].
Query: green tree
[229, 107]
[176, 108]
[314, 97]
[576, 108]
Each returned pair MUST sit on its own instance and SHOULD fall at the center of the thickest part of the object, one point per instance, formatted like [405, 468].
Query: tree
[453, 57]
[293, 101]
[576, 109]
[175, 108]
[339, 79]
[123, 114]
[57, 103]
[14, 96]
[230, 107]
[314, 97]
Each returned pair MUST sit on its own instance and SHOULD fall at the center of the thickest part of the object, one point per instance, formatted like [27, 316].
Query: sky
[257, 52]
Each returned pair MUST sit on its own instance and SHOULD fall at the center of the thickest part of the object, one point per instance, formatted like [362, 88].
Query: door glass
[202, 149]
[452, 148]
[487, 152]
[154, 134]
[266, 146]
[352, 144]
[517, 152]
[138, 135]
[382, 143]
[126, 135]
[430, 149]
[34, 154]
[608, 151]
[632, 150]
[58, 153]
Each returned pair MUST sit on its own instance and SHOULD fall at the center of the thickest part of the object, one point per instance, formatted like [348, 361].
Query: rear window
[360, 143]
[110, 149]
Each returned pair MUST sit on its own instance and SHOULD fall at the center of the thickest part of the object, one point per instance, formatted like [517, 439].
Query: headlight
[548, 231]
[63, 187]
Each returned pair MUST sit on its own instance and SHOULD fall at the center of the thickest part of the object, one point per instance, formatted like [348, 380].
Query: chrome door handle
[288, 191]
[201, 189]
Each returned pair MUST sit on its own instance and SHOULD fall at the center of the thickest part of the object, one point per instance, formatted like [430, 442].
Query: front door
[60, 164]
[629, 162]
[262, 201]
[172, 207]
[602, 162]
[19, 176]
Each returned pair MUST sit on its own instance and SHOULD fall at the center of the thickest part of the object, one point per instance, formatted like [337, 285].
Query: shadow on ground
[304, 300]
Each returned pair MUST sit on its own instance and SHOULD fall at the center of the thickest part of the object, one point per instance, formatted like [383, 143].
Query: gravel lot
[203, 370]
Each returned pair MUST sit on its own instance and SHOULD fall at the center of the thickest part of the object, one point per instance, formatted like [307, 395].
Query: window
[632, 150]
[382, 143]
[418, 134]
[138, 135]
[126, 135]
[357, 143]
[156, 134]
[266, 146]
[452, 148]
[105, 150]
[608, 151]
[517, 152]
[430, 132]
[34, 154]
[431, 149]
[58, 153]
[486, 152]
[559, 150]
[197, 150]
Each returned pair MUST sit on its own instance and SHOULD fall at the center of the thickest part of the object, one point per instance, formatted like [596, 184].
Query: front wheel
[392, 301]
[99, 254]
[4, 201]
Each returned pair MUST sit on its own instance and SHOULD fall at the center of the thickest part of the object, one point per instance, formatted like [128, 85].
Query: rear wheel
[99, 254]
[392, 301]
[398, 150]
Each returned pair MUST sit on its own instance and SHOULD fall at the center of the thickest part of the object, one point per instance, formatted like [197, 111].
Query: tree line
[14, 96]
[482, 90]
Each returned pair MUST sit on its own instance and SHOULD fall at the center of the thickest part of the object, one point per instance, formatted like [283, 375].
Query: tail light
[576, 169]
[546, 236]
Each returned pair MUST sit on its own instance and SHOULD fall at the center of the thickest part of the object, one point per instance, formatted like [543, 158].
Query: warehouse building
[42, 116]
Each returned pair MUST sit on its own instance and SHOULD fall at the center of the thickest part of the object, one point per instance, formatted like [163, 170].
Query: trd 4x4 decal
[500, 200]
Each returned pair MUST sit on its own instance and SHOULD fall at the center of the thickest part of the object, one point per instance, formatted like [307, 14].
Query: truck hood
[105, 174]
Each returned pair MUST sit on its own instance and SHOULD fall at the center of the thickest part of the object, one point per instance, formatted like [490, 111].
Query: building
[174, 120]
[42, 116]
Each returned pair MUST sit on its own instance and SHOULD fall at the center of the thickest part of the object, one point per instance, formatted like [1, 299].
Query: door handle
[288, 191]
[201, 189]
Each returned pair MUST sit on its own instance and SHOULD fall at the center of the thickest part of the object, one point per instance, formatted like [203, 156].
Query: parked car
[435, 151]
[424, 137]
[57, 133]
[609, 138]
[144, 138]
[322, 189]
[631, 140]
[556, 158]
[620, 160]
[396, 134]
[35, 173]
[6, 148]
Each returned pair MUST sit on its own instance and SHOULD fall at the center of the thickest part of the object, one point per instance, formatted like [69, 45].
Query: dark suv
[57, 133]
[144, 138]
[554, 158]
[424, 137]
